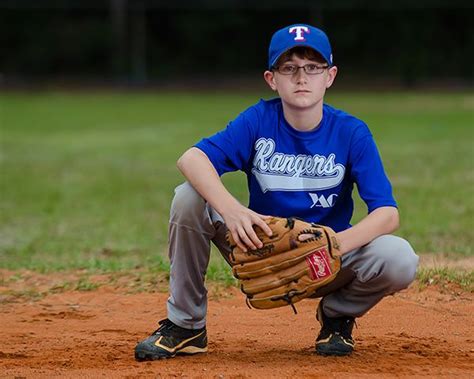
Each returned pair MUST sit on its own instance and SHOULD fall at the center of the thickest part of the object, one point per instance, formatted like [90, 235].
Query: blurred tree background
[146, 42]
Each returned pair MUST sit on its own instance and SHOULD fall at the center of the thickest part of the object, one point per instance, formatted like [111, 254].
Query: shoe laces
[166, 326]
[346, 324]
[338, 325]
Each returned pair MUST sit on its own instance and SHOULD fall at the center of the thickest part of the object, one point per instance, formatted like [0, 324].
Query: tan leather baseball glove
[292, 264]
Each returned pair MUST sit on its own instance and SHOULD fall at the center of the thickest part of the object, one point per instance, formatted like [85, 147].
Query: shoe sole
[148, 356]
[329, 353]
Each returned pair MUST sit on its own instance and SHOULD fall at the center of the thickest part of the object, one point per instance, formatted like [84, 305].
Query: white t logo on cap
[299, 32]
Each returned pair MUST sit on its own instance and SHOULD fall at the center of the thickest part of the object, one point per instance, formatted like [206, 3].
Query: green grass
[444, 276]
[86, 179]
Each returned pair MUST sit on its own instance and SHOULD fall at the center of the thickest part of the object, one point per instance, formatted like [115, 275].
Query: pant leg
[191, 229]
[384, 266]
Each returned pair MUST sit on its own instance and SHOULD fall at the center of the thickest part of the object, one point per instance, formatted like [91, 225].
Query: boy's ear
[331, 76]
[269, 77]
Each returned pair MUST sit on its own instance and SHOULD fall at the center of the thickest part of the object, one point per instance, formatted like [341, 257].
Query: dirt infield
[92, 334]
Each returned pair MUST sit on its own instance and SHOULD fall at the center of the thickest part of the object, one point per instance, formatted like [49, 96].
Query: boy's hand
[240, 220]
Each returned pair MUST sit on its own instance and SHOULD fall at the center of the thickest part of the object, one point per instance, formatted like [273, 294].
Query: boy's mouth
[302, 91]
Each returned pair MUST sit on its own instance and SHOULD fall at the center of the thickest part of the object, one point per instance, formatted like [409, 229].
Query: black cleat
[170, 339]
[335, 337]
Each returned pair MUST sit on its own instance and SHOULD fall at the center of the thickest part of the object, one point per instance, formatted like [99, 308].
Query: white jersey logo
[287, 172]
[298, 30]
[321, 201]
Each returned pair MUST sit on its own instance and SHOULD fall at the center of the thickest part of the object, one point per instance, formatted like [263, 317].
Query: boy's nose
[301, 76]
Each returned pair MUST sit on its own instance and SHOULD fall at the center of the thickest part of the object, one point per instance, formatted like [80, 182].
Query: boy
[302, 158]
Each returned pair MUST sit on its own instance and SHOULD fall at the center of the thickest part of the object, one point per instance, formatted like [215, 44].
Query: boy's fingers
[245, 239]
[253, 236]
[239, 243]
[264, 226]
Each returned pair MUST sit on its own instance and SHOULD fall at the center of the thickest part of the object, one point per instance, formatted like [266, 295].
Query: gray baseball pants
[382, 267]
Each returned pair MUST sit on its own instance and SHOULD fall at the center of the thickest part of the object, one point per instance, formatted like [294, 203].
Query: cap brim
[298, 45]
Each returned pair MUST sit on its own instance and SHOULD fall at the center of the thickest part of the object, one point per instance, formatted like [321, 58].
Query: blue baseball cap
[299, 35]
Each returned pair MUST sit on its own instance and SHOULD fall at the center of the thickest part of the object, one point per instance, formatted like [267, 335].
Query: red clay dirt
[92, 334]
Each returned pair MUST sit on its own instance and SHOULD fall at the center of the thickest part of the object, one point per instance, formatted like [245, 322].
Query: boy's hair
[301, 52]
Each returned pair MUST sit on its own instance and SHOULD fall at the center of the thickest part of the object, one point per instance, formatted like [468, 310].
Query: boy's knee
[399, 262]
[186, 203]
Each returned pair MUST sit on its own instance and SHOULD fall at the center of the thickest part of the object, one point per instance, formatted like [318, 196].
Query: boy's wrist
[342, 242]
[227, 206]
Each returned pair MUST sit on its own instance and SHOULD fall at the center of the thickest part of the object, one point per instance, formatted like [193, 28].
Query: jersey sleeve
[230, 149]
[368, 172]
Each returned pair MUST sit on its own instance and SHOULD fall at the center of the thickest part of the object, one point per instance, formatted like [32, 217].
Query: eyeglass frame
[304, 67]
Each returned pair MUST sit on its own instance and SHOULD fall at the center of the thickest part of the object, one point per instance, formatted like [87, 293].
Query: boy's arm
[199, 171]
[383, 220]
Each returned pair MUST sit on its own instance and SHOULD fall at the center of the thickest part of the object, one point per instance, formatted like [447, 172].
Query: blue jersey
[310, 174]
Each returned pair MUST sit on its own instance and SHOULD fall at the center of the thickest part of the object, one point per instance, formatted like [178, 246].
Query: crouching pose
[302, 159]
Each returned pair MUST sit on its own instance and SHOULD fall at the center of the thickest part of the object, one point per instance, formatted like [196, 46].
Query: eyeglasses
[310, 69]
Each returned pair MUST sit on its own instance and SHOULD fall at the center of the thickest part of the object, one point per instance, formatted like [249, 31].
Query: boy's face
[300, 90]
